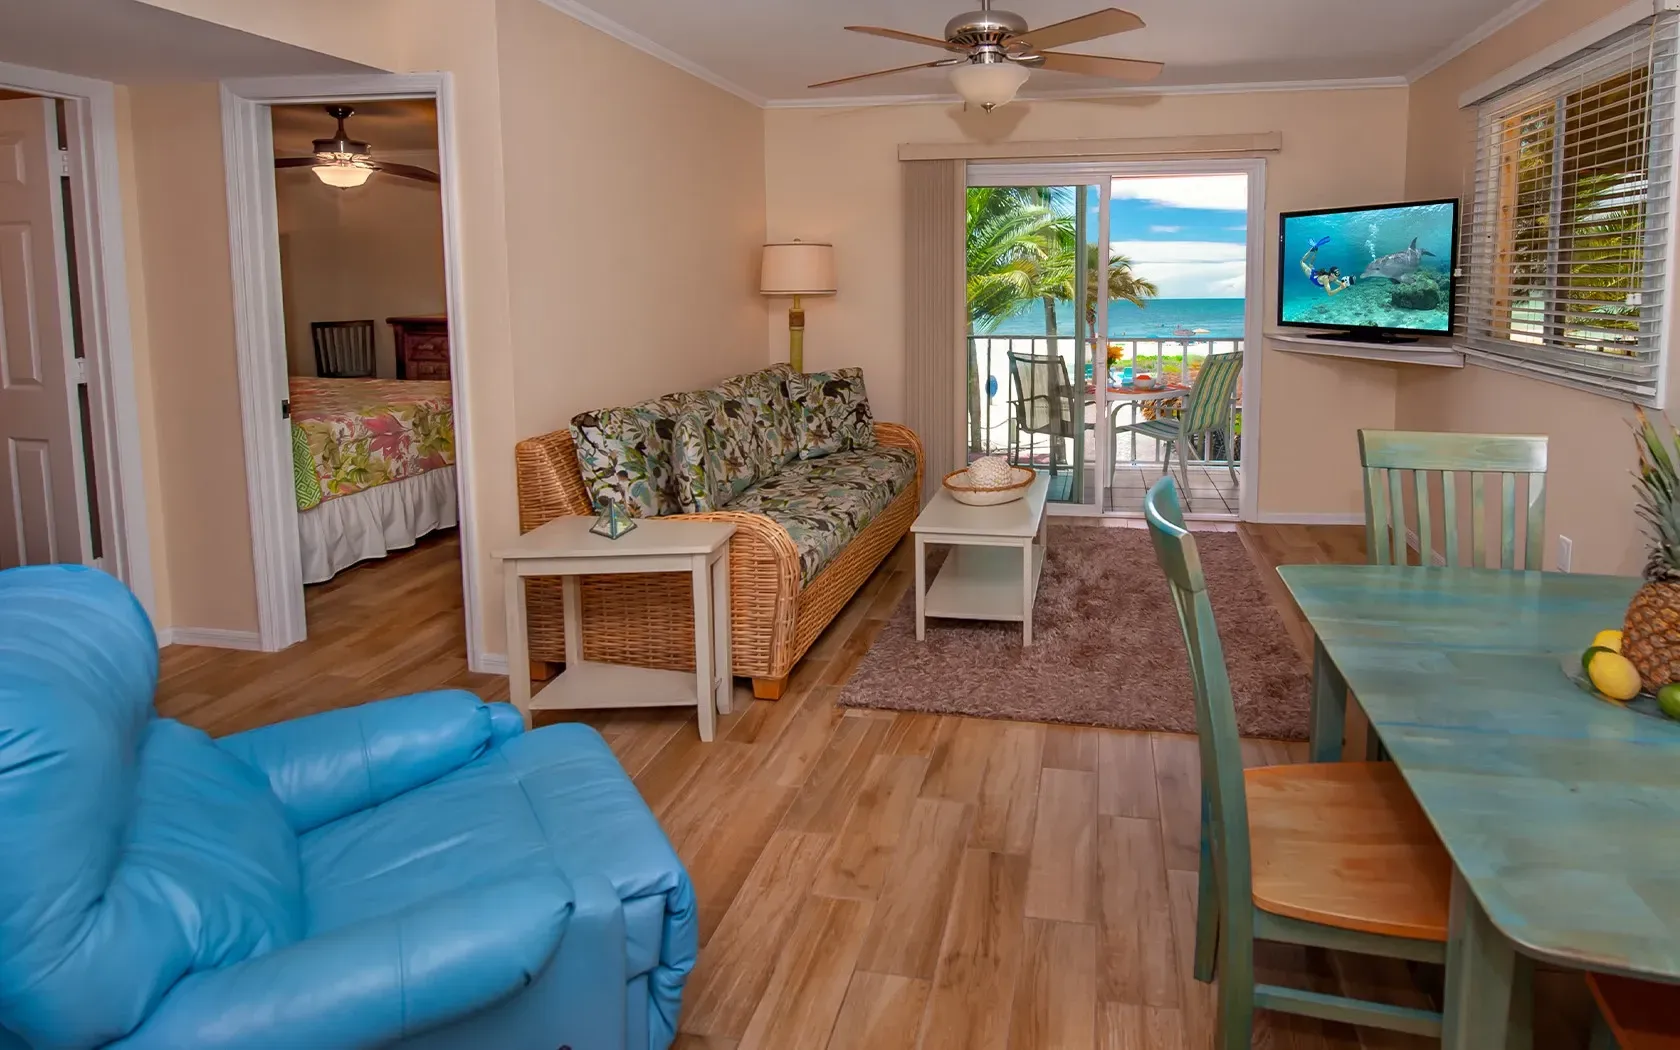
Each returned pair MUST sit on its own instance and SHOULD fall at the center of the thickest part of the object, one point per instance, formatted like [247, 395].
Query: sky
[1186, 233]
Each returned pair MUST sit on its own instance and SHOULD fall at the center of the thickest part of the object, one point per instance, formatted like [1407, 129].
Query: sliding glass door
[1034, 310]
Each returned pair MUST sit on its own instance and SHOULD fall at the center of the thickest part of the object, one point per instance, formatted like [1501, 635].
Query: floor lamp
[797, 268]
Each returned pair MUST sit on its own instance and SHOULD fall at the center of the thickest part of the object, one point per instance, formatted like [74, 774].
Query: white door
[41, 481]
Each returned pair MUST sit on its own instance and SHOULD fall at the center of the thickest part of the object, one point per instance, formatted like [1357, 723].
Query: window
[1571, 221]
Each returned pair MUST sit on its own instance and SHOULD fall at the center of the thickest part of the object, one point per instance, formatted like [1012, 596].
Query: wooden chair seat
[1641, 1015]
[1344, 844]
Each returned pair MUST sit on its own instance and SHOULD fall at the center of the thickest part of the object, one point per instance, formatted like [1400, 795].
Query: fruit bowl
[1644, 703]
[962, 487]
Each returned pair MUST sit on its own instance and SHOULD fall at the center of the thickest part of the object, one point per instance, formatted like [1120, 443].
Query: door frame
[1072, 172]
[260, 333]
[107, 338]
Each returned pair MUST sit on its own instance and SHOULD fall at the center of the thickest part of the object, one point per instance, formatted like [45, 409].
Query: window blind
[1572, 215]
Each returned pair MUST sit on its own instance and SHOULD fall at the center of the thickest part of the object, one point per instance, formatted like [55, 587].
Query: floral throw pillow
[715, 451]
[834, 413]
[624, 455]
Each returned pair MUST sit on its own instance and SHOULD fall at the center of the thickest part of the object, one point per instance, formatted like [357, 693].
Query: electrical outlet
[1566, 553]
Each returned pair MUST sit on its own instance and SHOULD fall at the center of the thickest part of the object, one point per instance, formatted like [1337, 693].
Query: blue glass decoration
[613, 521]
[991, 386]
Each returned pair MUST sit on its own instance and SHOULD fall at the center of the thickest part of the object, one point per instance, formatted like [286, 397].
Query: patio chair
[1207, 410]
[1045, 403]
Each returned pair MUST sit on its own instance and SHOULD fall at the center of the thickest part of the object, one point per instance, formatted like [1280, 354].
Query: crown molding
[625, 35]
[1469, 40]
[860, 101]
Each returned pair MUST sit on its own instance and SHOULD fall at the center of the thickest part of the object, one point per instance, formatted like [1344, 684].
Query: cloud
[1166, 229]
[1211, 192]
[1189, 269]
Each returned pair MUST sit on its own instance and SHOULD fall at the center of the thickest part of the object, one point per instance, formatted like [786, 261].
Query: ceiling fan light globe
[342, 176]
[988, 85]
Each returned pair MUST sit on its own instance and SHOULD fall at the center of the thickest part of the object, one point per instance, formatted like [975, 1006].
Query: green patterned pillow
[625, 456]
[714, 451]
[764, 394]
[305, 482]
[834, 414]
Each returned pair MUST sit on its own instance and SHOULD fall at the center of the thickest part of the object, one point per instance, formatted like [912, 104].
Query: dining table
[1560, 810]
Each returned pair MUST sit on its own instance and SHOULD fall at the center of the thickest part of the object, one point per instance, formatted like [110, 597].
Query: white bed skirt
[373, 522]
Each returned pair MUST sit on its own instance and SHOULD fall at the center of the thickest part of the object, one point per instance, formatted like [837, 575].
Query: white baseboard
[488, 663]
[214, 637]
[1284, 517]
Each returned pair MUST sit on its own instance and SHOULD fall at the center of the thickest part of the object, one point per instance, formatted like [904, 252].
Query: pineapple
[1651, 631]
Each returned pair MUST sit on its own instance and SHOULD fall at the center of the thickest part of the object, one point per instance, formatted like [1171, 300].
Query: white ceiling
[770, 49]
[130, 43]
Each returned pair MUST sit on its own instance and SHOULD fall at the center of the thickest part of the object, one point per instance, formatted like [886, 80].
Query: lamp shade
[798, 268]
[342, 176]
[988, 85]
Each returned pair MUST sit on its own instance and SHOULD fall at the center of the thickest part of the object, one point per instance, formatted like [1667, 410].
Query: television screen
[1366, 270]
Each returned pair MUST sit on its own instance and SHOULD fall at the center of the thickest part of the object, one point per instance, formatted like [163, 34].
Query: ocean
[1156, 319]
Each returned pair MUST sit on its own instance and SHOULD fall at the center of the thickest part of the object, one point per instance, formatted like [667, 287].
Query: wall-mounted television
[1377, 274]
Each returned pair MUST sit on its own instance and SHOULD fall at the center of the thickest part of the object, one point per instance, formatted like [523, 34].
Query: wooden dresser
[422, 346]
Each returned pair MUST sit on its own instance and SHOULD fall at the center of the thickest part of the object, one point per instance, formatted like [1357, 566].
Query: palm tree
[1122, 282]
[1012, 235]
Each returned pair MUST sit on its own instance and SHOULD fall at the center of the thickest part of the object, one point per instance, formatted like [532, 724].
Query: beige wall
[639, 196]
[373, 251]
[1591, 451]
[185, 364]
[833, 176]
[608, 219]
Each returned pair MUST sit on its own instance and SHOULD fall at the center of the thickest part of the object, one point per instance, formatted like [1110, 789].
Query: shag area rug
[1107, 648]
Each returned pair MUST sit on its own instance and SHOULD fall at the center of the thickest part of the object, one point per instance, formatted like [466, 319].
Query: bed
[374, 465]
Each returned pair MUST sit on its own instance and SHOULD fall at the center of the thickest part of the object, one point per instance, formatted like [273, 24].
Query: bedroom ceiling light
[343, 171]
[989, 81]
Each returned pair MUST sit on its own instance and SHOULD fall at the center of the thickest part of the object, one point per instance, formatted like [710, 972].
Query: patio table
[1559, 810]
[1121, 396]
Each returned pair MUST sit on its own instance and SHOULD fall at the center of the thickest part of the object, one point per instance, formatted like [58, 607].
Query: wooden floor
[874, 880]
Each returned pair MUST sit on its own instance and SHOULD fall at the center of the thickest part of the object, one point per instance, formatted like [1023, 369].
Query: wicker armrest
[549, 482]
[897, 435]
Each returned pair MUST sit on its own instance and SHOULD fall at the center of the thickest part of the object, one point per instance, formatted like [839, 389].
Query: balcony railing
[992, 428]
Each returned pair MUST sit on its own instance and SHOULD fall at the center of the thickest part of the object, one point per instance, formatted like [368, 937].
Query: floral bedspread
[352, 434]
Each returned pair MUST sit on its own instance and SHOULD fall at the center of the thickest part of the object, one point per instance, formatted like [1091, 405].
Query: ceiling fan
[994, 51]
[343, 162]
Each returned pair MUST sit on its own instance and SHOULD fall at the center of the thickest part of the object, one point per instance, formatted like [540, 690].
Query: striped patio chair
[1207, 411]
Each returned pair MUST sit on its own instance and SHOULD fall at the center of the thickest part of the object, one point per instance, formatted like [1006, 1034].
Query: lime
[1668, 698]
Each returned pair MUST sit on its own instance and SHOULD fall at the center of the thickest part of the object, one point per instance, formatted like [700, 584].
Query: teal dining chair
[1437, 462]
[1633, 1015]
[1331, 855]
[1207, 411]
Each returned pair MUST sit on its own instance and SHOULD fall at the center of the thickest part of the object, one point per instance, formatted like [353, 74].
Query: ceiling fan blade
[406, 171]
[295, 162]
[1107, 22]
[886, 72]
[911, 38]
[1132, 69]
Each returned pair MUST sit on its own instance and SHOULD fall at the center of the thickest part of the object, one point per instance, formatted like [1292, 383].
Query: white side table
[565, 547]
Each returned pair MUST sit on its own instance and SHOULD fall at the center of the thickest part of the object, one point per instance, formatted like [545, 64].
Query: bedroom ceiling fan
[994, 51]
[343, 162]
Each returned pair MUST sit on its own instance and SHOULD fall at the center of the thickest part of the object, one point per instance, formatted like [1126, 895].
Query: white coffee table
[993, 572]
[565, 547]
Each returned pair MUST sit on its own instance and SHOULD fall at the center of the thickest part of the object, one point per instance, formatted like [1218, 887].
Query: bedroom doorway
[343, 226]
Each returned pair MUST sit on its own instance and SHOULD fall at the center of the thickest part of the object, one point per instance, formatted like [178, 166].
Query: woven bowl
[957, 483]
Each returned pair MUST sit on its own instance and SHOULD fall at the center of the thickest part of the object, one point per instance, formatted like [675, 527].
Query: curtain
[935, 311]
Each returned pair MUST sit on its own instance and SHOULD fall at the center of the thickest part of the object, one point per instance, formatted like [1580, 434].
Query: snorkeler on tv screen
[1330, 280]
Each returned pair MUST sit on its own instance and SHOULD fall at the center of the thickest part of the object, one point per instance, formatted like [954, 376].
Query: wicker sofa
[782, 592]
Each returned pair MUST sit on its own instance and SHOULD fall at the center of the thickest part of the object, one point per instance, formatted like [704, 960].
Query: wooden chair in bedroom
[343, 349]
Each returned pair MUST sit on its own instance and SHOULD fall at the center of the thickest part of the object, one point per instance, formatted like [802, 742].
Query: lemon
[1668, 698]
[1611, 640]
[1611, 673]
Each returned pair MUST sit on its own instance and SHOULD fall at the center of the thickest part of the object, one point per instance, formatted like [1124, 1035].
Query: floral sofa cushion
[833, 412]
[624, 455]
[765, 396]
[716, 451]
[824, 503]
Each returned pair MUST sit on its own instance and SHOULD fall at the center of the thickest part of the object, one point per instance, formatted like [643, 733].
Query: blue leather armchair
[417, 872]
